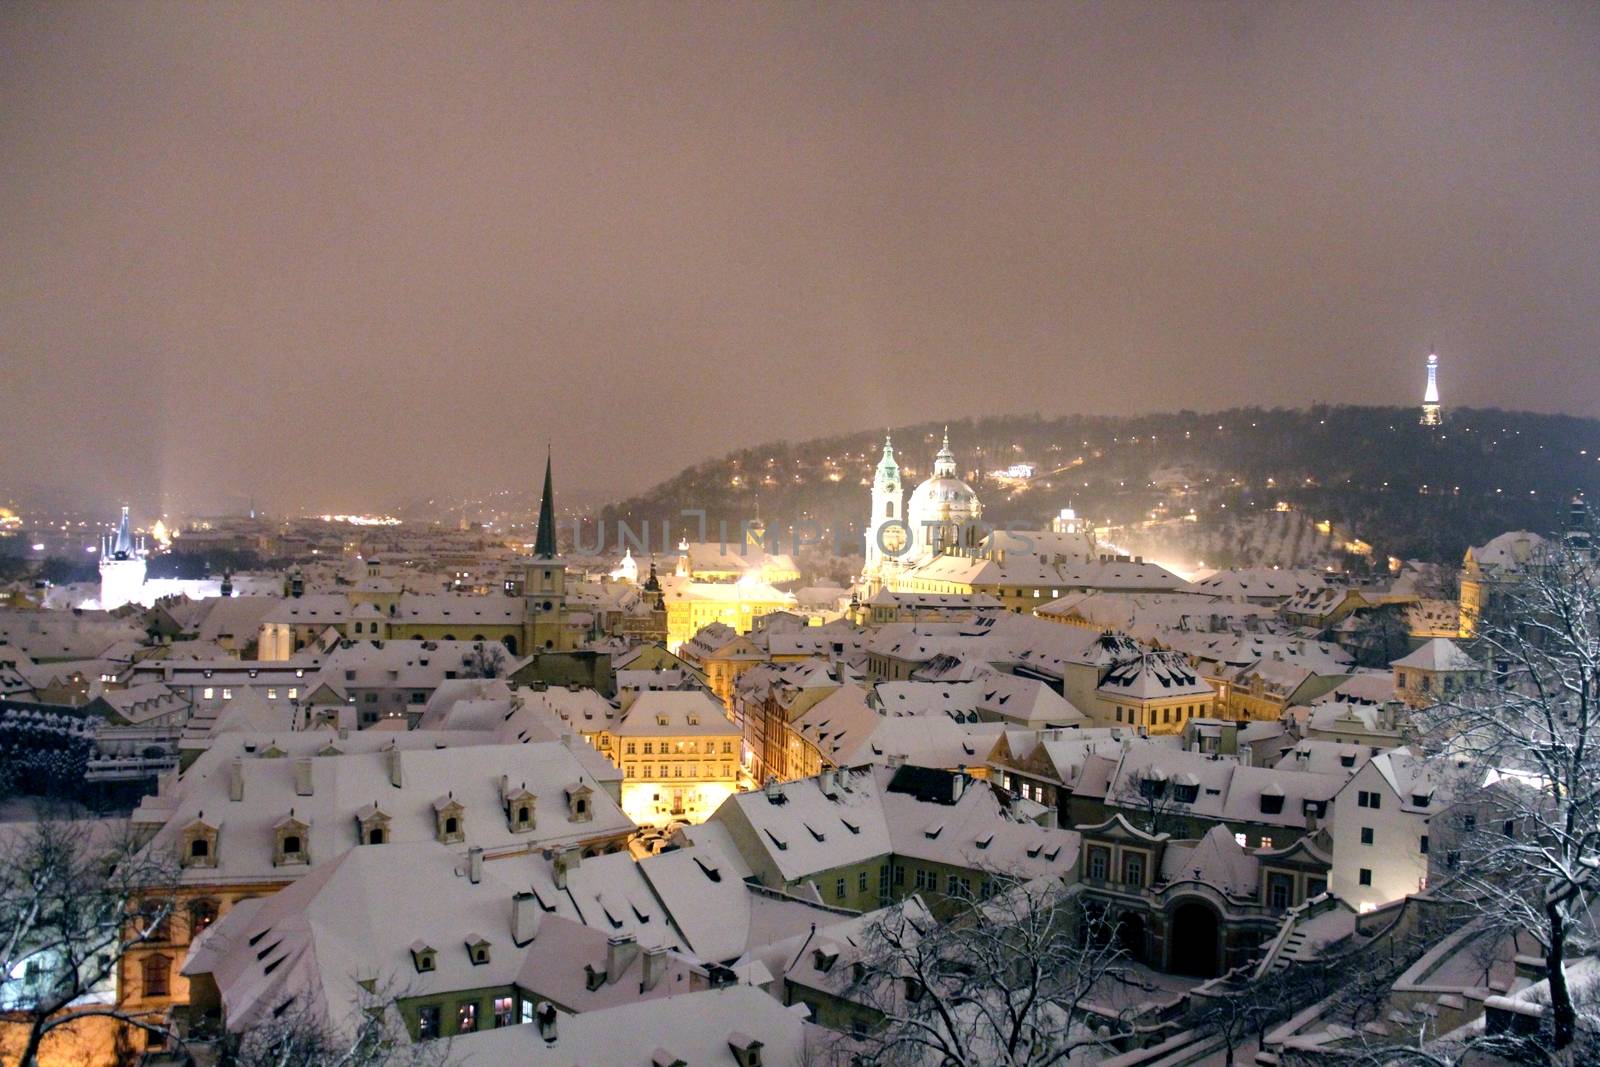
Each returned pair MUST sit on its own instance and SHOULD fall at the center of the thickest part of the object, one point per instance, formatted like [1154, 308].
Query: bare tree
[76, 897]
[1527, 829]
[1150, 804]
[486, 660]
[1009, 980]
[299, 1034]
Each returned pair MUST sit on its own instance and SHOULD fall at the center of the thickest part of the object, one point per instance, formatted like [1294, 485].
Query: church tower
[1432, 414]
[544, 580]
[122, 566]
[885, 527]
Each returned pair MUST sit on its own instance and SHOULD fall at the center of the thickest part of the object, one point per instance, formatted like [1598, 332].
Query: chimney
[302, 777]
[475, 864]
[566, 860]
[825, 781]
[524, 918]
[774, 792]
[544, 1013]
[654, 966]
[397, 777]
[236, 779]
[620, 951]
[344, 733]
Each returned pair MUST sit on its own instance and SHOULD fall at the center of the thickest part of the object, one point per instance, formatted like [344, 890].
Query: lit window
[208, 692]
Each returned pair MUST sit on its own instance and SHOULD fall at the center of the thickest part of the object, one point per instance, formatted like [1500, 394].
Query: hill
[1240, 487]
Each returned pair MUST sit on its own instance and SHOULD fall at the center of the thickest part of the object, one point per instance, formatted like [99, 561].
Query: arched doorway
[510, 642]
[1194, 937]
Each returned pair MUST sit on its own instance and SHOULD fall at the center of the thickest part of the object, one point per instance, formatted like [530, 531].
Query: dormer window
[579, 808]
[199, 847]
[449, 819]
[520, 811]
[1152, 788]
[292, 845]
[477, 949]
[423, 957]
[372, 826]
[1272, 803]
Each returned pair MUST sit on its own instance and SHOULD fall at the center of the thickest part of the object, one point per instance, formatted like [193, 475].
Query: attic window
[423, 957]
[814, 833]
[1271, 803]
[985, 841]
[783, 846]
[708, 870]
[851, 827]
[478, 950]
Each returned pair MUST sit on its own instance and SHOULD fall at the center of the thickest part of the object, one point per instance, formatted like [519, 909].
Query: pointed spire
[124, 544]
[944, 464]
[544, 545]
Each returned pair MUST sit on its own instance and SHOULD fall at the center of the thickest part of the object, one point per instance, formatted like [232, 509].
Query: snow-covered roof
[1439, 654]
[342, 783]
[677, 713]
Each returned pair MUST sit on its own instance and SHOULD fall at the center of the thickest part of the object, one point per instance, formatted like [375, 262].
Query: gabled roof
[1439, 654]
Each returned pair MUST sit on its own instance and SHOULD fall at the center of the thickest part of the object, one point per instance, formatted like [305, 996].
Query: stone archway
[1194, 939]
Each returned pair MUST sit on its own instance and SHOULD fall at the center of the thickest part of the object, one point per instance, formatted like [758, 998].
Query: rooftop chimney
[302, 777]
[825, 781]
[565, 860]
[654, 966]
[475, 864]
[525, 916]
[544, 1013]
[397, 776]
[620, 951]
[236, 779]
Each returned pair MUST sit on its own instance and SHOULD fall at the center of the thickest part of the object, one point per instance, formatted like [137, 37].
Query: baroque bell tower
[886, 525]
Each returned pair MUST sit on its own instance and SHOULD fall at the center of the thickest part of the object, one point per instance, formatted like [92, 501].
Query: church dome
[946, 500]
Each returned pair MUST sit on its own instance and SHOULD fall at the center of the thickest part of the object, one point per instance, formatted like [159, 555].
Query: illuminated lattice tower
[1432, 414]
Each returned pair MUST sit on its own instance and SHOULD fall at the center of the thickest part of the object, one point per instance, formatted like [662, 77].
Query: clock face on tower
[892, 537]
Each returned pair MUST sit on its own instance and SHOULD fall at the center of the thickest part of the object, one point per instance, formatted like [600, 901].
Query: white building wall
[1397, 865]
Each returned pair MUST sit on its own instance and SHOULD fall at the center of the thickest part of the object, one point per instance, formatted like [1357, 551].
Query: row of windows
[1173, 714]
[677, 770]
[922, 879]
[210, 692]
[670, 747]
[430, 1017]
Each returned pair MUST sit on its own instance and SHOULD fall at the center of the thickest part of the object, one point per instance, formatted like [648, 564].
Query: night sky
[329, 255]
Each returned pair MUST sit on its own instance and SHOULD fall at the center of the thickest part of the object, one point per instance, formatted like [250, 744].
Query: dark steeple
[544, 545]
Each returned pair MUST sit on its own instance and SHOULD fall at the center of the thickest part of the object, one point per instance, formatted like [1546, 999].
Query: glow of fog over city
[325, 257]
